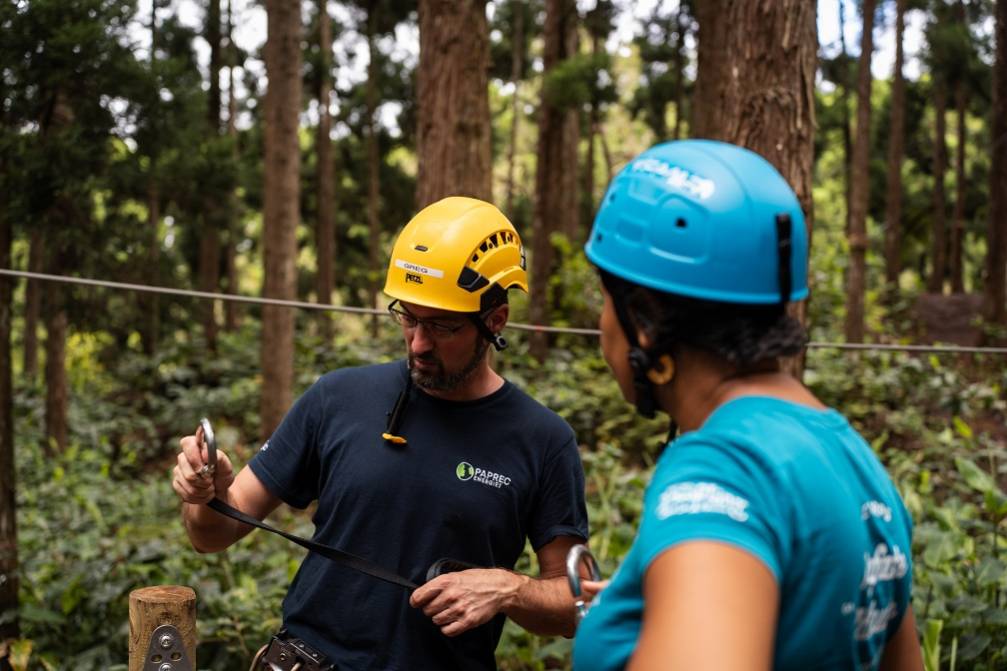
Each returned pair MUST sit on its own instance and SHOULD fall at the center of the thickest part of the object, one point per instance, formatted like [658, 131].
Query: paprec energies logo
[466, 471]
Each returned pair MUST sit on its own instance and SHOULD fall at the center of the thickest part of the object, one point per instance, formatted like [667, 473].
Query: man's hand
[462, 600]
[187, 482]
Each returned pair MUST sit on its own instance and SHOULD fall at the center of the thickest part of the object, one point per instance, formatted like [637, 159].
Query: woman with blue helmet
[771, 536]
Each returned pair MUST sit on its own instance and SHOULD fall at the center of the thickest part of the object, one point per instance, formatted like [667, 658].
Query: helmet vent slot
[681, 223]
[421, 248]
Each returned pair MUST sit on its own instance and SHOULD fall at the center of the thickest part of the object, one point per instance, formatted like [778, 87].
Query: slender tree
[938, 249]
[755, 87]
[373, 163]
[231, 311]
[325, 236]
[996, 259]
[599, 23]
[8, 501]
[150, 303]
[453, 124]
[281, 197]
[896, 151]
[209, 238]
[958, 217]
[33, 304]
[518, 48]
[556, 171]
[856, 280]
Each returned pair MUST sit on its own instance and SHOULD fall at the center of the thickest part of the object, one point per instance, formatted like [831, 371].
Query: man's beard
[441, 381]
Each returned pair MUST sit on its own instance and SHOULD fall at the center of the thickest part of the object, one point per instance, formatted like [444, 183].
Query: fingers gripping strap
[345, 558]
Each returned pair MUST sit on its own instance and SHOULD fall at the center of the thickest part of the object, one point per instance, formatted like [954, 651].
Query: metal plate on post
[166, 651]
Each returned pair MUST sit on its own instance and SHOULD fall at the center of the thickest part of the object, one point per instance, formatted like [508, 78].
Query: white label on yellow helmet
[415, 268]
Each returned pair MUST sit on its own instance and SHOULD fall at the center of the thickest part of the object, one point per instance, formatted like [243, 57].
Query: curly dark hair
[744, 335]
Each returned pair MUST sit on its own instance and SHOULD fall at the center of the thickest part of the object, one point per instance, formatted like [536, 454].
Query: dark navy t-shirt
[474, 481]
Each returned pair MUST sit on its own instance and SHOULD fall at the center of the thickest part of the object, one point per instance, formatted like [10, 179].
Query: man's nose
[419, 340]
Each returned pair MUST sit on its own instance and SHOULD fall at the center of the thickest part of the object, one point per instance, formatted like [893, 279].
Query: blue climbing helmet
[703, 219]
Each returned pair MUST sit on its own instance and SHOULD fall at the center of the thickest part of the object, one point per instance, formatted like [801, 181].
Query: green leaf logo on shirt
[464, 471]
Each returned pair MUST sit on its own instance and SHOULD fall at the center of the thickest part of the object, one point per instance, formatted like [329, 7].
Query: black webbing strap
[345, 558]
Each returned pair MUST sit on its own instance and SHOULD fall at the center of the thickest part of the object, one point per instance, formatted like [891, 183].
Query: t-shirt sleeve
[560, 509]
[717, 492]
[287, 463]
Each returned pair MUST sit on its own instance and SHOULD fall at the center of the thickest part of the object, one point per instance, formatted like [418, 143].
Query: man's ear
[497, 319]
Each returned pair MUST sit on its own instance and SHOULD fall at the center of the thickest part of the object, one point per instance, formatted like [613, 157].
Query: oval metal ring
[211, 448]
[580, 554]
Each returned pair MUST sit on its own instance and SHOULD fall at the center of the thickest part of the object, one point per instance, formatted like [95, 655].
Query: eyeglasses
[436, 328]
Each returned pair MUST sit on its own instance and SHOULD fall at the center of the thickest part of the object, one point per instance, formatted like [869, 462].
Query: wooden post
[151, 607]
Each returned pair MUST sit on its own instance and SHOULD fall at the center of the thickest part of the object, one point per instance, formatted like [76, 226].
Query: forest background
[284, 167]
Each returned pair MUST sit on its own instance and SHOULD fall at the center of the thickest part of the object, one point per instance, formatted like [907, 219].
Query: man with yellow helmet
[432, 456]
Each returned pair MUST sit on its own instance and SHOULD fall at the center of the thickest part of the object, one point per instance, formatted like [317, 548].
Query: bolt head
[166, 641]
[165, 667]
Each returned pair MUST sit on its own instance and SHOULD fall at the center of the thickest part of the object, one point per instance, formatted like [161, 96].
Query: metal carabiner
[205, 433]
[579, 554]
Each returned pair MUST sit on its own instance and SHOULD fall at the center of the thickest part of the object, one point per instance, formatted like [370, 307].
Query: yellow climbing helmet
[453, 254]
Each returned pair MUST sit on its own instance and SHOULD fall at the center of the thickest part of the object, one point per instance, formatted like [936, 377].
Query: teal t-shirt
[800, 490]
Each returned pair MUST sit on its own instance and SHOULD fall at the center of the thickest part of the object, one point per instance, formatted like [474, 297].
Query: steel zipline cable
[206, 295]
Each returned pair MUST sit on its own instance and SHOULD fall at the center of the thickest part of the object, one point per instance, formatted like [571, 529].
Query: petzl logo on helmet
[418, 269]
[414, 279]
[464, 471]
[677, 178]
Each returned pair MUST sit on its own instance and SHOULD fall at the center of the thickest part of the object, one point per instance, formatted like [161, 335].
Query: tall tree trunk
[755, 87]
[281, 199]
[373, 168]
[517, 67]
[844, 103]
[678, 62]
[33, 304]
[896, 150]
[996, 258]
[958, 219]
[325, 237]
[8, 501]
[59, 217]
[56, 397]
[556, 171]
[209, 273]
[938, 250]
[149, 303]
[209, 241]
[231, 308]
[453, 124]
[856, 281]
[594, 120]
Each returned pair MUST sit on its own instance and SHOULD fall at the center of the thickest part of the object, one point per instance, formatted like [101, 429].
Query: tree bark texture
[33, 304]
[856, 279]
[213, 214]
[56, 404]
[938, 242]
[517, 67]
[755, 87]
[8, 500]
[325, 237]
[231, 311]
[281, 196]
[896, 152]
[844, 105]
[373, 170]
[556, 172]
[958, 218]
[996, 260]
[453, 118]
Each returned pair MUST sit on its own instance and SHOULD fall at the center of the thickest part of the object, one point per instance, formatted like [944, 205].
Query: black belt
[347, 559]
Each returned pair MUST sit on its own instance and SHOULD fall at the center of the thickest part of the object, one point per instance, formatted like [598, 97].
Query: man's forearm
[208, 530]
[543, 606]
